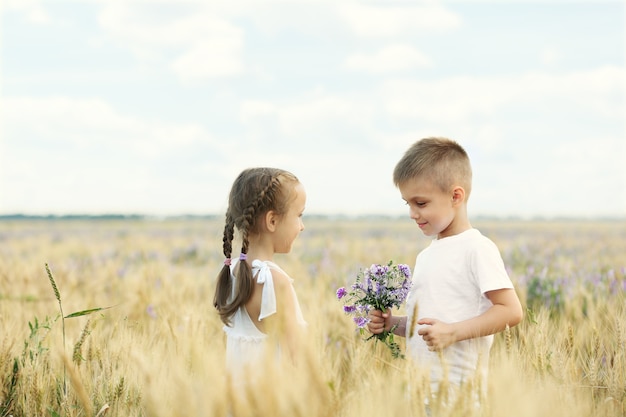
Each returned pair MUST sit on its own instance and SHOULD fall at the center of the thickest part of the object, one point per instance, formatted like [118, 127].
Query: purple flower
[361, 322]
[341, 292]
[151, 311]
[405, 270]
[349, 309]
[365, 309]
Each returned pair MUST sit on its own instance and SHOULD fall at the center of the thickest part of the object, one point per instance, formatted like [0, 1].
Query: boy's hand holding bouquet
[379, 287]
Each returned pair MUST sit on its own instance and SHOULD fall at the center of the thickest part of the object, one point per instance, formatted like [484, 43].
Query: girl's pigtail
[245, 281]
[223, 288]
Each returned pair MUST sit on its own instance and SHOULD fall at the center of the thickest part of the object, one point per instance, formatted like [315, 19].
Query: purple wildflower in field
[378, 287]
[151, 311]
[546, 288]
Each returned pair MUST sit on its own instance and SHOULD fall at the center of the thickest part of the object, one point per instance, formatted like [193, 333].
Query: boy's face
[433, 210]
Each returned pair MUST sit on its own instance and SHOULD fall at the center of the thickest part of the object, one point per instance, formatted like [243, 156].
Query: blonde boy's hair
[440, 160]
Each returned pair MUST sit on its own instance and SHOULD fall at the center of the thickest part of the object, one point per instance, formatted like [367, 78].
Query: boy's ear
[270, 220]
[458, 195]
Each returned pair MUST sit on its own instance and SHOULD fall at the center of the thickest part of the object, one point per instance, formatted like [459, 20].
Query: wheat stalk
[507, 339]
[569, 347]
[119, 389]
[57, 295]
[103, 410]
[78, 386]
[413, 321]
[77, 355]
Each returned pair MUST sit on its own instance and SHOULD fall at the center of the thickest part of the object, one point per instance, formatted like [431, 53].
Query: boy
[461, 292]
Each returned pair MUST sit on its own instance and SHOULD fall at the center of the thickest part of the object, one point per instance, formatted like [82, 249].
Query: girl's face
[432, 209]
[290, 224]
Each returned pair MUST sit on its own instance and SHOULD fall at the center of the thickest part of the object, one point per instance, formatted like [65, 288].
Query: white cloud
[389, 21]
[33, 10]
[447, 99]
[208, 59]
[356, 182]
[324, 113]
[485, 137]
[392, 58]
[252, 110]
[203, 42]
[60, 122]
[581, 177]
[317, 114]
[549, 56]
[198, 45]
[82, 155]
[460, 98]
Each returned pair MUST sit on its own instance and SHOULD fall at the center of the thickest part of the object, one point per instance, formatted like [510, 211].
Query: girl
[265, 205]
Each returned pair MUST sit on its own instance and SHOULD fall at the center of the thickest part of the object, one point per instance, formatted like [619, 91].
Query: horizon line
[337, 216]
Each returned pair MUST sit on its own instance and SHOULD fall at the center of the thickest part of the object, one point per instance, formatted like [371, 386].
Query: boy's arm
[506, 310]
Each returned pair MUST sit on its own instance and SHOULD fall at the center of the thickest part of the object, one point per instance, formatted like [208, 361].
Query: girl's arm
[284, 324]
[506, 310]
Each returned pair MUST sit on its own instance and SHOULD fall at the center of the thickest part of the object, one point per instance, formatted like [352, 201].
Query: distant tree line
[19, 216]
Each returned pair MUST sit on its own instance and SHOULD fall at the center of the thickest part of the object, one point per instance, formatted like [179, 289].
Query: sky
[153, 107]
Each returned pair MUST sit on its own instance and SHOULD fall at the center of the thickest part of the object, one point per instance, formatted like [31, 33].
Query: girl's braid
[229, 235]
[248, 216]
[223, 287]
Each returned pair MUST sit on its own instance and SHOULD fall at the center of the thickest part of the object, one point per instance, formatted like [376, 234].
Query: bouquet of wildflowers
[379, 287]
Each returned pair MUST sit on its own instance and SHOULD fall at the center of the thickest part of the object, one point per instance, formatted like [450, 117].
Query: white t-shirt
[450, 279]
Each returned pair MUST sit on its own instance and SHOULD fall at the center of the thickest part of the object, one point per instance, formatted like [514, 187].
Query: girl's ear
[271, 220]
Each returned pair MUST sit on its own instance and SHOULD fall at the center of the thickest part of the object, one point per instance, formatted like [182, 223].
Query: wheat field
[146, 340]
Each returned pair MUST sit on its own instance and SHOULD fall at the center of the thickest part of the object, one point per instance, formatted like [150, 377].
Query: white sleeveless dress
[245, 343]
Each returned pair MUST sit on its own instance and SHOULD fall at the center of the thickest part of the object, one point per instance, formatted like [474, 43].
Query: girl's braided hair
[254, 192]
